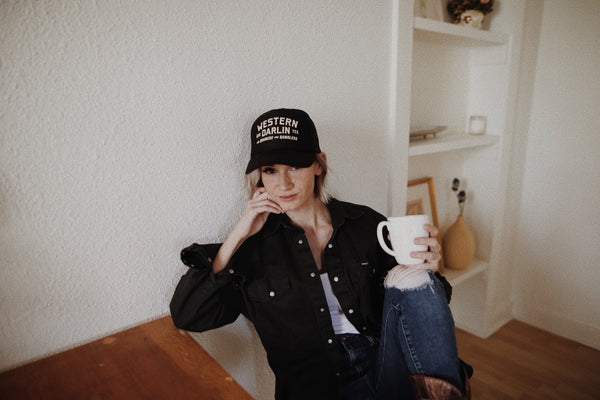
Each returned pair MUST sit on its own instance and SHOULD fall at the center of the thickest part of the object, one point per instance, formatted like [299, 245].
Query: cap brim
[295, 159]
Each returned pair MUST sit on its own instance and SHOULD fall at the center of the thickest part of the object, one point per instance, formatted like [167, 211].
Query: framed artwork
[420, 199]
[431, 9]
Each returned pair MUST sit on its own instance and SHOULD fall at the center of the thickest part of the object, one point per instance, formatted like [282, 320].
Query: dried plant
[461, 195]
[457, 7]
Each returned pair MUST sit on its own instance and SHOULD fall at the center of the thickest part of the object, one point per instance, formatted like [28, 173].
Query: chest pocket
[268, 290]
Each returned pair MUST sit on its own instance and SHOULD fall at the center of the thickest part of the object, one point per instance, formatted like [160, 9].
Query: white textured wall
[123, 137]
[556, 244]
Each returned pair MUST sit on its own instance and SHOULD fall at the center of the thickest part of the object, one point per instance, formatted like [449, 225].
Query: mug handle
[382, 242]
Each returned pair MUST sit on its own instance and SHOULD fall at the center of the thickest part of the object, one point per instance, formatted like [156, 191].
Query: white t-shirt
[341, 324]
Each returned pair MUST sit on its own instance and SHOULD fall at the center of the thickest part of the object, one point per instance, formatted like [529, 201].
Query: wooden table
[150, 361]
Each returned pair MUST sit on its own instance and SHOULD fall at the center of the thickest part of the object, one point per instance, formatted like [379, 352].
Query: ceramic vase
[472, 18]
[459, 245]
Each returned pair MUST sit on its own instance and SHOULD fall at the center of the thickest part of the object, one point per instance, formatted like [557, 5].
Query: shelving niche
[457, 72]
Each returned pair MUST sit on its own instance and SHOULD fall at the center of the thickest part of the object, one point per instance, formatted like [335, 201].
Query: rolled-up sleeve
[204, 300]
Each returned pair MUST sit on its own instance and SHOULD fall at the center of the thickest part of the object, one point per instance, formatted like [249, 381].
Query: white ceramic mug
[403, 231]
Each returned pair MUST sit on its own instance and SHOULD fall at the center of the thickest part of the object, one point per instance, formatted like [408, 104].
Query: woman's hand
[433, 254]
[256, 214]
[251, 221]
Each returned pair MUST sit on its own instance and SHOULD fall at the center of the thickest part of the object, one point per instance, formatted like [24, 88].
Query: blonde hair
[253, 181]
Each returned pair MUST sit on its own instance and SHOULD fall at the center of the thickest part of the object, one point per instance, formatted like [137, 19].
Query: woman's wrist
[226, 252]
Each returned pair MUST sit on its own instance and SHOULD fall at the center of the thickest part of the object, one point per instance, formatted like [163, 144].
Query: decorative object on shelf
[469, 12]
[477, 125]
[458, 242]
[430, 9]
[421, 132]
[420, 199]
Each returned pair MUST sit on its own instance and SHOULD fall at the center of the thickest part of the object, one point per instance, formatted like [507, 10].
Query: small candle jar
[477, 125]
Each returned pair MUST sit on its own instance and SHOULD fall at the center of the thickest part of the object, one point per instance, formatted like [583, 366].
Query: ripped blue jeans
[417, 337]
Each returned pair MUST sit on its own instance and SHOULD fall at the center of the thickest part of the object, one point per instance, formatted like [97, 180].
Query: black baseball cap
[283, 136]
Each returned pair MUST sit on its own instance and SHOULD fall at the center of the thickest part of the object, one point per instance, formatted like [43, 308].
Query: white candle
[477, 124]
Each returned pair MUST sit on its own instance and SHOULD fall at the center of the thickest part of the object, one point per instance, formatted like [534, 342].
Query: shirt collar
[339, 211]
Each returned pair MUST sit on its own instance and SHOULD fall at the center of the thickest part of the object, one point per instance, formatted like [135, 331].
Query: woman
[337, 317]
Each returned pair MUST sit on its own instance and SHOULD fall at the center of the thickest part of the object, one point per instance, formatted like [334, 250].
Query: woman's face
[290, 187]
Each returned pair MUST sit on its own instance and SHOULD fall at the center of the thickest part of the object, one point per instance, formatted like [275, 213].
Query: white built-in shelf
[456, 277]
[450, 142]
[430, 30]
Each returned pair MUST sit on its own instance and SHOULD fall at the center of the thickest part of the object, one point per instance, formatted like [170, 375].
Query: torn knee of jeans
[406, 278]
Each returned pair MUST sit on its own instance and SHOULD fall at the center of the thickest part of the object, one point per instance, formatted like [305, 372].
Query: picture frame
[430, 9]
[420, 199]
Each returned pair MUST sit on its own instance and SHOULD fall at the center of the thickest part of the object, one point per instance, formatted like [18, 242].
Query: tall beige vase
[459, 245]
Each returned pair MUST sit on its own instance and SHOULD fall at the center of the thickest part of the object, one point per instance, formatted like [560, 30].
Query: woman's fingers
[433, 254]
[257, 193]
[431, 242]
[262, 202]
[433, 231]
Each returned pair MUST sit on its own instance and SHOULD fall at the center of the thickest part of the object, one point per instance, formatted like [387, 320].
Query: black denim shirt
[274, 282]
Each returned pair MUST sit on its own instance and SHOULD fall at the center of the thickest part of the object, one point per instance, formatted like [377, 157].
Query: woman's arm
[203, 300]
[207, 296]
[251, 221]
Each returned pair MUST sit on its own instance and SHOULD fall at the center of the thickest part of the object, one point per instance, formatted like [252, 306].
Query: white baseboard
[573, 330]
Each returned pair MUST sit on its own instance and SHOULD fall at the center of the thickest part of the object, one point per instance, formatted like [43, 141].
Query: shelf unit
[456, 72]
[456, 277]
[438, 31]
[450, 142]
